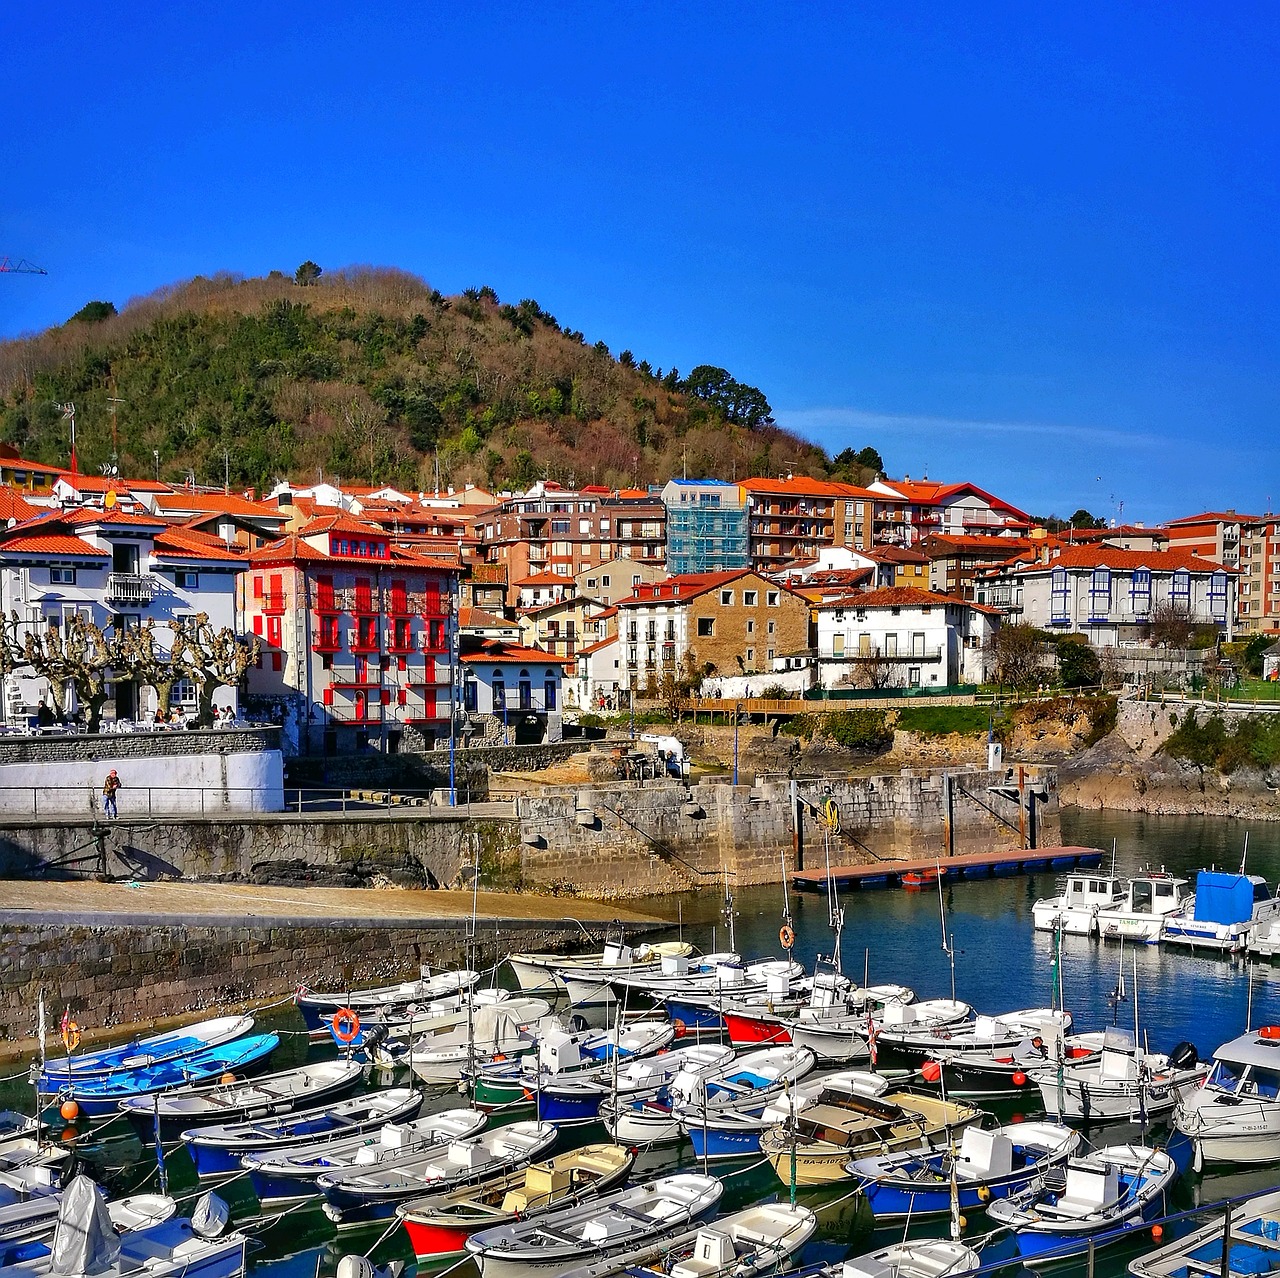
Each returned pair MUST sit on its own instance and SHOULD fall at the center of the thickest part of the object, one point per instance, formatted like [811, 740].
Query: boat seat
[545, 1181]
[713, 1252]
[754, 1237]
[1089, 1190]
[468, 1156]
[597, 1166]
[984, 1153]
[665, 1209]
[866, 1267]
[602, 1229]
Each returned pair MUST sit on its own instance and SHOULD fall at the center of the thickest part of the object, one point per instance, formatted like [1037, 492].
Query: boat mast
[835, 911]
[948, 944]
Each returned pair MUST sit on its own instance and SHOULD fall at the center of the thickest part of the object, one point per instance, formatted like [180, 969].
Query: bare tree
[79, 654]
[1170, 626]
[876, 670]
[150, 663]
[210, 658]
[1017, 655]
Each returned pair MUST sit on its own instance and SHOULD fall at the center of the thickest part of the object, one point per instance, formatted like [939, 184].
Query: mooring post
[1022, 807]
[948, 816]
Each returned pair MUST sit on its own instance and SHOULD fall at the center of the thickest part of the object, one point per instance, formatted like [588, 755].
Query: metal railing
[130, 587]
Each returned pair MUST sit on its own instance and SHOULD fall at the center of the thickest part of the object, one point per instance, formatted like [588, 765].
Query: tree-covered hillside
[370, 375]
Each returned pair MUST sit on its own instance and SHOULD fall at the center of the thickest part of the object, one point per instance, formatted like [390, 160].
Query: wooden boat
[354, 1196]
[986, 1165]
[651, 1120]
[290, 1175]
[617, 1223]
[190, 1106]
[1122, 1082]
[103, 1093]
[217, 1150]
[380, 1002]
[757, 1240]
[440, 1224]
[1235, 1115]
[1105, 1194]
[1254, 1246]
[850, 1116]
[139, 1053]
[924, 1258]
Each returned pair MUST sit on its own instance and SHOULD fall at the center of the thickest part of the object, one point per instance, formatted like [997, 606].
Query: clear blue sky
[1033, 249]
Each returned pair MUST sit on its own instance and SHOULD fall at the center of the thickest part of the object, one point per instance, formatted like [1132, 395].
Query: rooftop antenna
[114, 402]
[226, 470]
[69, 416]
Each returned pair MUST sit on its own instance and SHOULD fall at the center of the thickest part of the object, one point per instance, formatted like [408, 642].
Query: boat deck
[977, 865]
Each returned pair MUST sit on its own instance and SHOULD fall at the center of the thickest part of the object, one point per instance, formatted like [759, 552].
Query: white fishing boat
[651, 1119]
[846, 1039]
[1234, 1117]
[379, 1002]
[1150, 898]
[1107, 1193]
[907, 1033]
[1223, 913]
[440, 1052]
[924, 1258]
[983, 1034]
[1254, 1246]
[758, 1240]
[1004, 1070]
[1075, 908]
[617, 1223]
[539, 973]
[620, 966]
[1121, 1082]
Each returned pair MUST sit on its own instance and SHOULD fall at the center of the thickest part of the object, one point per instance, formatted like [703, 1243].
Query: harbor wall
[115, 974]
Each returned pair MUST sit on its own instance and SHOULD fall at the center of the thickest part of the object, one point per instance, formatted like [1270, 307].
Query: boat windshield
[1226, 1075]
[1141, 896]
[1261, 1082]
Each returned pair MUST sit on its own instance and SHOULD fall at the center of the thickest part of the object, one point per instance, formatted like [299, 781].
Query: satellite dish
[110, 499]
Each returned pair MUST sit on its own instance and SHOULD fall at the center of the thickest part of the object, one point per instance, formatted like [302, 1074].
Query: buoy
[227, 1079]
[984, 1194]
[1157, 1232]
[1019, 1079]
[69, 1110]
[1269, 1031]
[681, 1029]
[931, 1071]
[964, 1222]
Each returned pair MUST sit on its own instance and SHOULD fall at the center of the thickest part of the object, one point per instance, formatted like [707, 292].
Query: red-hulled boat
[914, 880]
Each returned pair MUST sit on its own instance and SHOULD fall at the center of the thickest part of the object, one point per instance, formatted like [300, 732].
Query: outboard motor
[1184, 1056]
[374, 1035]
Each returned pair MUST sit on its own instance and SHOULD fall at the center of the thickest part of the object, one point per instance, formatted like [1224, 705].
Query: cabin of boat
[1222, 910]
[1150, 898]
[1075, 908]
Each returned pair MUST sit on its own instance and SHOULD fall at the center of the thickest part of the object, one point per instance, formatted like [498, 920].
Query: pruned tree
[1170, 626]
[677, 685]
[79, 654]
[876, 671]
[210, 658]
[1017, 655]
[150, 662]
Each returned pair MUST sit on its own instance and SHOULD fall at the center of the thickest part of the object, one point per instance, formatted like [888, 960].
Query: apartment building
[908, 510]
[358, 627]
[707, 526]
[511, 695]
[955, 561]
[562, 627]
[1212, 535]
[796, 518]
[1260, 576]
[736, 622]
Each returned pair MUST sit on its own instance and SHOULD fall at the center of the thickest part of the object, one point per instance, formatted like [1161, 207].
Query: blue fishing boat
[218, 1150]
[1104, 1196]
[1254, 1247]
[103, 1094]
[987, 1165]
[139, 1053]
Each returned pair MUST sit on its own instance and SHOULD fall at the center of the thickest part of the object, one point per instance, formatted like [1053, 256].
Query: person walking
[109, 788]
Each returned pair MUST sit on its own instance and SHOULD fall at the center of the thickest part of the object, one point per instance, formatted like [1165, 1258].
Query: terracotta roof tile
[38, 543]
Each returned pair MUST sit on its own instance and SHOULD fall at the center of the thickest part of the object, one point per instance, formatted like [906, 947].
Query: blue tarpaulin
[1222, 897]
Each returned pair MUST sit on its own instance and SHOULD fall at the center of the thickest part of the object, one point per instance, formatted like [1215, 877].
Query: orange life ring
[787, 935]
[71, 1036]
[344, 1024]
[1269, 1031]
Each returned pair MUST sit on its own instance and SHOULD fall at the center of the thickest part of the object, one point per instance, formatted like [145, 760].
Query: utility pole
[69, 416]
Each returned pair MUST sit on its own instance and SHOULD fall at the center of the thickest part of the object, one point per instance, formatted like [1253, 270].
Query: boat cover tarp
[1222, 897]
[84, 1241]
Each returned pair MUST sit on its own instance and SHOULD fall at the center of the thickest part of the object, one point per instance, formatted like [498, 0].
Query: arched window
[526, 691]
[499, 692]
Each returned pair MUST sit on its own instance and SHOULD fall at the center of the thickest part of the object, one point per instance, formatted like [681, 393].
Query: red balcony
[273, 602]
[364, 640]
[327, 641]
[401, 642]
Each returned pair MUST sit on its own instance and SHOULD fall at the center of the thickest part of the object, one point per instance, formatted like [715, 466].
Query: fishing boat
[906, 1033]
[544, 973]
[497, 1030]
[1224, 911]
[440, 1224]
[1103, 1195]
[290, 1175]
[217, 1150]
[846, 1040]
[923, 1258]
[651, 1119]
[356, 1195]
[30, 1197]
[983, 1034]
[721, 1111]
[1235, 1115]
[239, 1101]
[576, 1097]
[382, 1002]
[103, 1093]
[620, 1222]
[758, 1240]
[819, 1000]
[1254, 1246]
[699, 1003]
[852, 1112]
[1009, 1069]
[499, 1083]
[1121, 1082]
[588, 984]
[85, 1241]
[21, 1144]
[140, 1053]
[1075, 908]
[987, 1164]
[1150, 898]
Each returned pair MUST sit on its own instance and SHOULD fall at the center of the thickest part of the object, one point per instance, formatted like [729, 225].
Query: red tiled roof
[91, 516]
[342, 522]
[928, 492]
[38, 543]
[186, 543]
[896, 597]
[103, 484]
[498, 651]
[12, 505]
[290, 549]
[545, 579]
[599, 643]
[803, 486]
[1114, 557]
[223, 503]
[949, 541]
[1212, 517]
[478, 617]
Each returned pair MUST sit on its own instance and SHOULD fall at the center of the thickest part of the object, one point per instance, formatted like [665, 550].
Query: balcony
[130, 588]
[874, 654]
[330, 641]
[273, 601]
[363, 642]
[402, 644]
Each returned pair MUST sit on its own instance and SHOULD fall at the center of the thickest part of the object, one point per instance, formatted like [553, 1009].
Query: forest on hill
[370, 375]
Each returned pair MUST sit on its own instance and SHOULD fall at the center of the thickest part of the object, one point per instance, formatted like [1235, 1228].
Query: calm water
[1000, 965]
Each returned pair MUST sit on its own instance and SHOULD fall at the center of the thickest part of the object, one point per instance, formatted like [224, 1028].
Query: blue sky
[1037, 250]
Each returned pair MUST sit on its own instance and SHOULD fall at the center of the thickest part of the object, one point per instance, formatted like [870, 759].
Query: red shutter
[327, 697]
[257, 624]
[386, 696]
[257, 587]
[403, 696]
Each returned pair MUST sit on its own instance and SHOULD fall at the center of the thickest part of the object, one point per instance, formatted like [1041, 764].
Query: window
[187, 580]
[635, 581]
[1140, 591]
[726, 598]
[1180, 589]
[499, 693]
[605, 581]
[1058, 595]
[584, 527]
[1218, 596]
[749, 598]
[771, 598]
[560, 526]
[771, 627]
[1100, 592]
[64, 576]
[769, 654]
[526, 691]
[750, 656]
[706, 627]
[591, 583]
[751, 627]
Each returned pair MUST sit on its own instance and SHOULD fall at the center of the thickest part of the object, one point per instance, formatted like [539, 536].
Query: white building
[1111, 595]
[511, 694]
[117, 569]
[901, 637]
[598, 675]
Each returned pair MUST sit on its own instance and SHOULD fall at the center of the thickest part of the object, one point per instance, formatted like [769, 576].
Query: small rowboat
[240, 1101]
[924, 1258]
[218, 1150]
[384, 1002]
[440, 1224]
[915, 880]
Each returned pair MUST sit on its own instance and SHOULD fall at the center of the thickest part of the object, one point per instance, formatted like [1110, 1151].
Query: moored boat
[440, 1223]
[652, 1120]
[1234, 1116]
[1254, 1247]
[318, 1007]
[1075, 908]
[1223, 912]
[1150, 898]
[923, 1258]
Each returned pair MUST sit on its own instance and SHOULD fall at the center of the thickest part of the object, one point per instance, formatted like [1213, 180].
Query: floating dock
[979, 865]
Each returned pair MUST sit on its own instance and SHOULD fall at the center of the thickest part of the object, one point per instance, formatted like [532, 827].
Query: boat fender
[1157, 1232]
[681, 1028]
[984, 1194]
[931, 1071]
[344, 1025]
[1019, 1079]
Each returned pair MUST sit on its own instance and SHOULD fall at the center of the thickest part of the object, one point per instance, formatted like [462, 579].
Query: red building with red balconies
[360, 629]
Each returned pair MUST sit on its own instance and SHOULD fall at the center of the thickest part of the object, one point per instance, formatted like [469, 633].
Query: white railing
[130, 587]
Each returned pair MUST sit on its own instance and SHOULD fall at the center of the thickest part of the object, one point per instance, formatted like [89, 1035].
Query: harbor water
[1000, 964]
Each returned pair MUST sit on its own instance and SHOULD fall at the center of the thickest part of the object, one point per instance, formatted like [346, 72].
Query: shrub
[860, 729]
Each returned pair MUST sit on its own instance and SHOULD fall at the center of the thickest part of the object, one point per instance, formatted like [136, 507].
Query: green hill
[370, 375]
